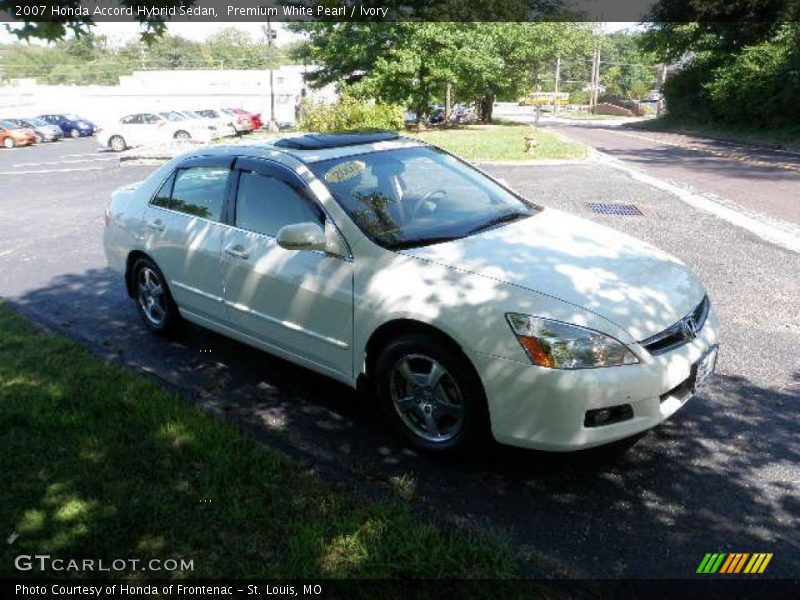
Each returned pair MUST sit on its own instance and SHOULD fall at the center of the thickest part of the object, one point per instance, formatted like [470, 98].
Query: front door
[297, 302]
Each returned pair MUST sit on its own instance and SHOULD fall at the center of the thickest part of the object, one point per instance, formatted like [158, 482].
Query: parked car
[255, 118]
[150, 128]
[464, 310]
[12, 135]
[242, 123]
[239, 124]
[42, 130]
[223, 127]
[71, 125]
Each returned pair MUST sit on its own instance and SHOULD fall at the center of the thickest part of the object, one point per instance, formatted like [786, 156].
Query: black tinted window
[200, 191]
[264, 204]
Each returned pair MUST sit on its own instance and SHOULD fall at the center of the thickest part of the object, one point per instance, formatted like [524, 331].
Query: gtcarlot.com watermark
[47, 563]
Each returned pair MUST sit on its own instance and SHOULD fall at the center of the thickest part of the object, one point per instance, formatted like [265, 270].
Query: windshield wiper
[428, 241]
[499, 220]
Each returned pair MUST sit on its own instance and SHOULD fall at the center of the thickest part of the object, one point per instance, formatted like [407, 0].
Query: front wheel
[182, 136]
[38, 138]
[74, 134]
[9, 142]
[154, 301]
[431, 394]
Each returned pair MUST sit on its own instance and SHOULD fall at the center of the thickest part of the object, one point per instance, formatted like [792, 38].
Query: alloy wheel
[427, 398]
[151, 297]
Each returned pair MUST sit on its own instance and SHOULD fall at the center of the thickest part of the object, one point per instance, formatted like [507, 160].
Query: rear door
[184, 232]
[298, 302]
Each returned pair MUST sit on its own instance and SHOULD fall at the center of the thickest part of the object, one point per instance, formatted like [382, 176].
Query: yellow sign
[534, 98]
[344, 171]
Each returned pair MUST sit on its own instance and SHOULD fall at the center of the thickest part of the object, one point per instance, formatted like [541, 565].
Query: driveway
[722, 475]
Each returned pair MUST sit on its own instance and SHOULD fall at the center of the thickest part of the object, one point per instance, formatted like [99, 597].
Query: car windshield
[38, 122]
[172, 116]
[418, 196]
[73, 118]
[8, 125]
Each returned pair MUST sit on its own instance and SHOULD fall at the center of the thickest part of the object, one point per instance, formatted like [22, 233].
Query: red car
[255, 118]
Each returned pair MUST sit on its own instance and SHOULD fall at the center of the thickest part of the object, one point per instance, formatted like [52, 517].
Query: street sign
[539, 98]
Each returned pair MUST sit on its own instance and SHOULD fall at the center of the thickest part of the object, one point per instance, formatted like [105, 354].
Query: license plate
[704, 368]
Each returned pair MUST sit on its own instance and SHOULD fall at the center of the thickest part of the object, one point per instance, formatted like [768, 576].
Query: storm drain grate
[608, 208]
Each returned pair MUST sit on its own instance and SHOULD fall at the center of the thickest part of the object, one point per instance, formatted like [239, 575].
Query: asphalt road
[757, 179]
[721, 475]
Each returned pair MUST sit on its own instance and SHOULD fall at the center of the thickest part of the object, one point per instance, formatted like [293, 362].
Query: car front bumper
[546, 409]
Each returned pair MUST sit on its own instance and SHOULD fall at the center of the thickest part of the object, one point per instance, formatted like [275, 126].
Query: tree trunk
[486, 107]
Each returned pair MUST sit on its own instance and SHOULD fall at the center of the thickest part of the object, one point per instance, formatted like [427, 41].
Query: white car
[151, 128]
[221, 127]
[465, 310]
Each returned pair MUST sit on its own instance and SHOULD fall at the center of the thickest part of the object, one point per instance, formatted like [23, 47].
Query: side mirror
[302, 236]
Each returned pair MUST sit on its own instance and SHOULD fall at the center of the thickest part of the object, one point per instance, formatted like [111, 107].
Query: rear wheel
[182, 136]
[431, 394]
[153, 298]
[9, 142]
[38, 138]
[117, 143]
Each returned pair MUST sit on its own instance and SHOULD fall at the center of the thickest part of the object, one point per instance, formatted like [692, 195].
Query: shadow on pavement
[721, 475]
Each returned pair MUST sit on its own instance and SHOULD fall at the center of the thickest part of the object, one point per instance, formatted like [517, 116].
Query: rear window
[196, 191]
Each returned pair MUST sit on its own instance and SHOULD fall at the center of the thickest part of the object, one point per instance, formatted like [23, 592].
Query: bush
[350, 114]
[756, 87]
[579, 97]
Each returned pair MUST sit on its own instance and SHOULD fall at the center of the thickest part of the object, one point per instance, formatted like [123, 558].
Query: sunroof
[320, 141]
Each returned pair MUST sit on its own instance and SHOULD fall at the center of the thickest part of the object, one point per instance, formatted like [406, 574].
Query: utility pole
[595, 78]
[447, 100]
[660, 104]
[558, 77]
[273, 125]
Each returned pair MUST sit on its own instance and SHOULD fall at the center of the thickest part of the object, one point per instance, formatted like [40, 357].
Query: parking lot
[721, 475]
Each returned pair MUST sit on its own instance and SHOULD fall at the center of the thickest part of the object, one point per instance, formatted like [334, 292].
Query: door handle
[238, 252]
[157, 225]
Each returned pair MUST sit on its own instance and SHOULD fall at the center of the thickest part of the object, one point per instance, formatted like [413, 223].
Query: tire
[182, 136]
[74, 134]
[446, 416]
[38, 139]
[9, 142]
[117, 143]
[160, 316]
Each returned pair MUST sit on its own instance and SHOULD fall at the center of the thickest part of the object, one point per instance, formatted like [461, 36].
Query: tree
[739, 60]
[412, 62]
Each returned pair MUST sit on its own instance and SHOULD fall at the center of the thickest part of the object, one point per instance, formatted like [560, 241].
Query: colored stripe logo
[733, 563]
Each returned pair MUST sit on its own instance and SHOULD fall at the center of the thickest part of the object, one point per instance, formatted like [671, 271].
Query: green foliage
[411, 63]
[758, 85]
[90, 59]
[350, 114]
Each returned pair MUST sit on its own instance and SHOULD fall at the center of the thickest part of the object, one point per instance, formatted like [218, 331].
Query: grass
[101, 463]
[501, 142]
[746, 133]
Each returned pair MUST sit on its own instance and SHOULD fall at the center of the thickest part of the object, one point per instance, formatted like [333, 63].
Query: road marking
[7, 173]
[63, 162]
[781, 234]
[80, 155]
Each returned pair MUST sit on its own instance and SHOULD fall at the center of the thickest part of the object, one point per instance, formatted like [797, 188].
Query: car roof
[270, 146]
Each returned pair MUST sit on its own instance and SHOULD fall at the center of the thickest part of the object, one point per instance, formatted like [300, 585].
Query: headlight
[557, 345]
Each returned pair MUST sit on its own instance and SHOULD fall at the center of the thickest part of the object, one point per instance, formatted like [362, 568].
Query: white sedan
[466, 311]
[152, 128]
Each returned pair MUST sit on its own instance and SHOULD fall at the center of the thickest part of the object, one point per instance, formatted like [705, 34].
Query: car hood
[635, 285]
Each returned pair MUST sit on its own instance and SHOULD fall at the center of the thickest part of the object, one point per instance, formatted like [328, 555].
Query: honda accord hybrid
[463, 310]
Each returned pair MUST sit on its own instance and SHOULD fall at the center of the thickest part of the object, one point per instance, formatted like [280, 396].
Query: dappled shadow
[718, 476]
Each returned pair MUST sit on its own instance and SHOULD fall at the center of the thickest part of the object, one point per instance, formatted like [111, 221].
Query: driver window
[264, 204]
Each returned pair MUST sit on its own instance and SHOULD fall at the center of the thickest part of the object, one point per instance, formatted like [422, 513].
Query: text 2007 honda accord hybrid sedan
[466, 310]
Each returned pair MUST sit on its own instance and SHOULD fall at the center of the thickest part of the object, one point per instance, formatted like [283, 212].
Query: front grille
[675, 335]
